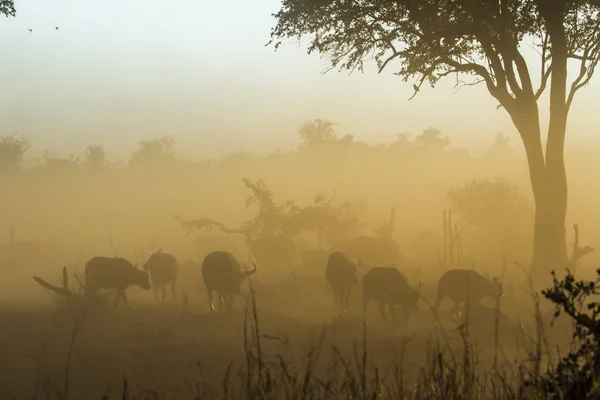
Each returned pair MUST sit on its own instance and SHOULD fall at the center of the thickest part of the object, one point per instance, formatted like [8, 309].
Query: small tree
[431, 139]
[494, 205]
[270, 217]
[12, 149]
[156, 150]
[328, 221]
[315, 133]
[95, 156]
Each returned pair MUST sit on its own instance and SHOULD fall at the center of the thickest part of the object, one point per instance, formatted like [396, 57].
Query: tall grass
[326, 373]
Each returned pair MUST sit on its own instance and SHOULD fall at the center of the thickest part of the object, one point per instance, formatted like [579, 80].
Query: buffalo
[340, 273]
[163, 269]
[222, 273]
[462, 285]
[386, 285]
[113, 273]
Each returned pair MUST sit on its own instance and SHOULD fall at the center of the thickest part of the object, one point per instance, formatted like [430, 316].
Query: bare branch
[589, 61]
[544, 82]
[463, 84]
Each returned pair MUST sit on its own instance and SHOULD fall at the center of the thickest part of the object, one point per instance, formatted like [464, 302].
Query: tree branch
[588, 62]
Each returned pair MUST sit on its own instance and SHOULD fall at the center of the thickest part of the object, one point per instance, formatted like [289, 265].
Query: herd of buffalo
[223, 274]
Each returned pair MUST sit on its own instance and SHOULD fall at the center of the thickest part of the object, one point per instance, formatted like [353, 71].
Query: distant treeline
[316, 137]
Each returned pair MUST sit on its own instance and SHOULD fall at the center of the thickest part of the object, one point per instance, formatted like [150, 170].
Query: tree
[315, 133]
[12, 149]
[432, 139]
[328, 220]
[156, 150]
[7, 7]
[270, 217]
[493, 205]
[95, 156]
[485, 39]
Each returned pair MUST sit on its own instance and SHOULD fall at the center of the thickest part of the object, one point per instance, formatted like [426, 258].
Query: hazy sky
[119, 71]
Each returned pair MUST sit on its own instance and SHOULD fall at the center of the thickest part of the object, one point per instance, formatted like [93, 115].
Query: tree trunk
[549, 243]
[549, 184]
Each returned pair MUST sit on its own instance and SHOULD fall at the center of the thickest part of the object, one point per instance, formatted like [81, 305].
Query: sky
[116, 72]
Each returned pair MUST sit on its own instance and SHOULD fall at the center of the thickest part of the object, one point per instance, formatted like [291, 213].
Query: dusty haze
[123, 76]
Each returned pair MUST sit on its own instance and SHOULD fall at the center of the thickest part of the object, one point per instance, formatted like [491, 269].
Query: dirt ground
[169, 348]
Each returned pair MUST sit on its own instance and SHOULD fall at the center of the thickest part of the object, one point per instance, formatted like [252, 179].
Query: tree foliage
[95, 156]
[270, 217]
[12, 149]
[431, 139]
[494, 205]
[316, 133]
[323, 217]
[7, 8]
[432, 39]
[576, 374]
[156, 150]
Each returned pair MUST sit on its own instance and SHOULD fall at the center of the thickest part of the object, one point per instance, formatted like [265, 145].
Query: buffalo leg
[405, 315]
[209, 293]
[393, 313]
[229, 302]
[340, 300]
[381, 308]
[335, 297]
[163, 292]
[155, 290]
[123, 297]
[221, 301]
[173, 291]
[456, 308]
[438, 300]
[346, 300]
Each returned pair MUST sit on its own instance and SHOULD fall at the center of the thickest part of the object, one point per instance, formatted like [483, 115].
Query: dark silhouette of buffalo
[340, 273]
[113, 273]
[222, 273]
[386, 285]
[163, 269]
[462, 285]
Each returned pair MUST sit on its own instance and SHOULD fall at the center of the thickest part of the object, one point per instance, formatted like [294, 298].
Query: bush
[576, 374]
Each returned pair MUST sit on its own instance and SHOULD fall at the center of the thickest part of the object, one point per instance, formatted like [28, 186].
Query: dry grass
[261, 351]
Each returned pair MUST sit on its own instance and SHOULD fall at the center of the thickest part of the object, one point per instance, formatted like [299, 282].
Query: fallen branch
[63, 291]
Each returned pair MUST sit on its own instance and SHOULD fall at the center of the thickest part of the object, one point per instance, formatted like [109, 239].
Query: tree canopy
[435, 38]
[494, 205]
[12, 149]
[161, 149]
